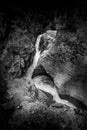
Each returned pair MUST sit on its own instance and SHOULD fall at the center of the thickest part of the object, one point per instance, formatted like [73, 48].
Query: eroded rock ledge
[35, 107]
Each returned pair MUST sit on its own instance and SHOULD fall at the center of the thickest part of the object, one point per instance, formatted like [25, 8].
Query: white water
[35, 60]
[38, 82]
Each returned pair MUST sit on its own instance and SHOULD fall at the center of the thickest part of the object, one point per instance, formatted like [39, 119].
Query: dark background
[62, 6]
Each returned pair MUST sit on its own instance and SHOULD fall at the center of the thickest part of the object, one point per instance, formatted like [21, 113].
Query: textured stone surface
[27, 107]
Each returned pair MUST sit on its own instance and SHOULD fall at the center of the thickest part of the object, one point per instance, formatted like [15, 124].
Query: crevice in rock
[79, 104]
[40, 71]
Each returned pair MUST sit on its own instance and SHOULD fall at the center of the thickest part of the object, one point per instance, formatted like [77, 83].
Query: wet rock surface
[28, 107]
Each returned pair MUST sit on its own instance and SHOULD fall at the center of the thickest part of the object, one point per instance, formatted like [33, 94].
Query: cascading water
[37, 81]
[35, 60]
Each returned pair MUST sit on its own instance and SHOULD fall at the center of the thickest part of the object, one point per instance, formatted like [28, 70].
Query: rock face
[56, 60]
[52, 93]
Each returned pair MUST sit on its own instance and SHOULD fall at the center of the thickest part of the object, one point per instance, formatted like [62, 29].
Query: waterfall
[35, 60]
[38, 81]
